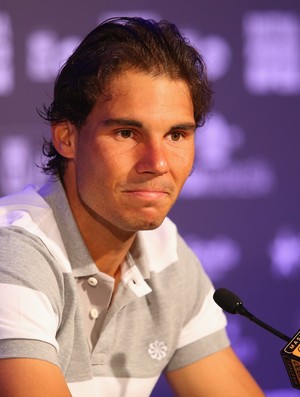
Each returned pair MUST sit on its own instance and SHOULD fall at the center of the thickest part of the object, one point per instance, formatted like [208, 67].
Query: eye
[176, 136]
[125, 134]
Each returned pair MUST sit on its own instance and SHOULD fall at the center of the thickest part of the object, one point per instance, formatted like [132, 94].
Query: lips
[147, 191]
[147, 194]
[163, 187]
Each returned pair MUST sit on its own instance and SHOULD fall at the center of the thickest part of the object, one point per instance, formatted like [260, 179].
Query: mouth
[147, 194]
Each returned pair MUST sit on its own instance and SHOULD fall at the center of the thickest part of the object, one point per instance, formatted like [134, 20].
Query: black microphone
[231, 303]
[290, 354]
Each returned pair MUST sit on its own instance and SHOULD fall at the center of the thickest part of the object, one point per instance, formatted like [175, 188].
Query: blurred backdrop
[239, 210]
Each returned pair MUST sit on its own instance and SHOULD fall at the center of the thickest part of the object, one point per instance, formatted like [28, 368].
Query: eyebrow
[184, 126]
[122, 122]
[134, 123]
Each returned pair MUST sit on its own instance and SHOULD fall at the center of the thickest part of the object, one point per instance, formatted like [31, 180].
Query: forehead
[156, 95]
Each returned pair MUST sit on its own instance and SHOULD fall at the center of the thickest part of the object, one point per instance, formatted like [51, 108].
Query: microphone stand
[240, 309]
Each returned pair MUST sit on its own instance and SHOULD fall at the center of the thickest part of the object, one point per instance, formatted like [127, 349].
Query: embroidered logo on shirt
[157, 350]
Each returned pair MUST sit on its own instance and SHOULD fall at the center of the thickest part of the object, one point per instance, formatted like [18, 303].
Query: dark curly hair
[116, 45]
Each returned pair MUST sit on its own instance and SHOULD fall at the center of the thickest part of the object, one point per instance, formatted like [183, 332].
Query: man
[99, 293]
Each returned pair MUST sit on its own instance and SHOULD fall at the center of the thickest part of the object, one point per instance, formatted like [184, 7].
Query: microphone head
[228, 301]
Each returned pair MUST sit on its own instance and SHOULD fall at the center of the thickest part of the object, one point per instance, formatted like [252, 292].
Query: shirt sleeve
[31, 292]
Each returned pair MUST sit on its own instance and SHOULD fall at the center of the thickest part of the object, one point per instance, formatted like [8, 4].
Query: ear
[64, 138]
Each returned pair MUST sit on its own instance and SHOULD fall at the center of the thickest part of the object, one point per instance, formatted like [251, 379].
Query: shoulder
[26, 262]
[165, 248]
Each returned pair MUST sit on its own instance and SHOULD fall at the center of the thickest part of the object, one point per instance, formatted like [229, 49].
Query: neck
[107, 249]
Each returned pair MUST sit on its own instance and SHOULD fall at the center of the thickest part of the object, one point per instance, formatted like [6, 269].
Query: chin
[146, 220]
[149, 224]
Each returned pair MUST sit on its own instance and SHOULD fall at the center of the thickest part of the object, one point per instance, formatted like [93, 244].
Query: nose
[152, 159]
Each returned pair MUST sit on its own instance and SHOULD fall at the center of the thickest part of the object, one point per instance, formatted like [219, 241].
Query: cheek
[185, 161]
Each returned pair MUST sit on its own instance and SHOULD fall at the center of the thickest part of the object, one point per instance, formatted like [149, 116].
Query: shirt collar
[81, 261]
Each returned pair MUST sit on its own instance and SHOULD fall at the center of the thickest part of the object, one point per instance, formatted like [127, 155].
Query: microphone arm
[231, 303]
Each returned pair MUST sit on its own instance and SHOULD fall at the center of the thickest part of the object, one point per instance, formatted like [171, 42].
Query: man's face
[135, 151]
